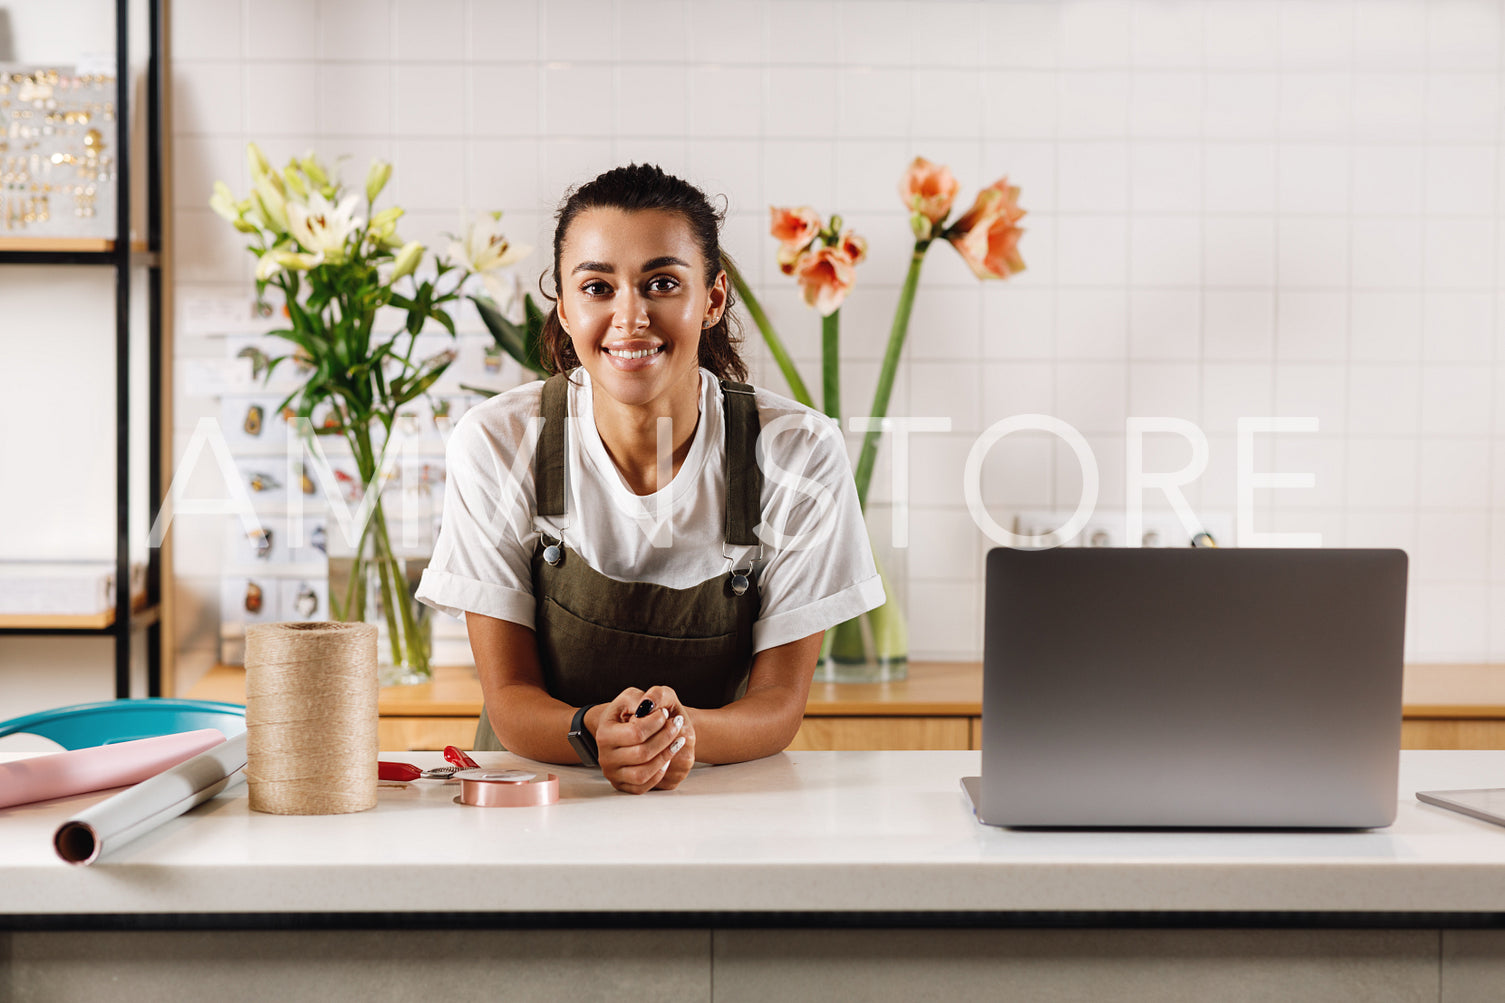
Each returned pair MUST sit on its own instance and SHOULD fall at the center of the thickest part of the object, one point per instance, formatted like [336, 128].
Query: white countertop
[801, 832]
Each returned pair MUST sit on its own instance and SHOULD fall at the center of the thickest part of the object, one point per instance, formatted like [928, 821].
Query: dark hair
[635, 188]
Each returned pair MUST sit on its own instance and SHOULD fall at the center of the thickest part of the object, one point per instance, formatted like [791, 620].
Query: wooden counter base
[938, 707]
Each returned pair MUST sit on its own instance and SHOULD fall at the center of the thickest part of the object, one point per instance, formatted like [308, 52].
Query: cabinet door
[425, 734]
[1460, 733]
[819, 734]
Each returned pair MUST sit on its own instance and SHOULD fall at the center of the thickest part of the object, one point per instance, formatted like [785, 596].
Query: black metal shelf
[126, 258]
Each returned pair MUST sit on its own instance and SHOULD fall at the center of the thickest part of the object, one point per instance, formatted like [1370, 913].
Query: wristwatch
[581, 739]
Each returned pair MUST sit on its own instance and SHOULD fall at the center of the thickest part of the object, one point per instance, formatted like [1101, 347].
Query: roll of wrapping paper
[311, 717]
[116, 821]
[99, 768]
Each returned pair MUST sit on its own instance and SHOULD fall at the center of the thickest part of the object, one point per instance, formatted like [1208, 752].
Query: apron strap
[744, 479]
[549, 455]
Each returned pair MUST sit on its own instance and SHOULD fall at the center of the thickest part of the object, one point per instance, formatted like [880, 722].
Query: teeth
[635, 354]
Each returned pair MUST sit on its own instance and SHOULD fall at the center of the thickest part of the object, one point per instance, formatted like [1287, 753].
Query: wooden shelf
[73, 621]
[60, 244]
[64, 245]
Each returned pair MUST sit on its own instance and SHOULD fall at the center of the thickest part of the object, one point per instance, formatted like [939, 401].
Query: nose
[631, 314]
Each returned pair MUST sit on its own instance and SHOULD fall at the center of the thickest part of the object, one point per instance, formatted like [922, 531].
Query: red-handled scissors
[407, 771]
[460, 759]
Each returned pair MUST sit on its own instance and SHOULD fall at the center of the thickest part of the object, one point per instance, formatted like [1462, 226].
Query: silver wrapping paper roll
[116, 821]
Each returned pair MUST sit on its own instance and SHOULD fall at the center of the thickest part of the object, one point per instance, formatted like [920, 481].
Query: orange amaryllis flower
[855, 247]
[794, 229]
[986, 236]
[928, 191]
[825, 275]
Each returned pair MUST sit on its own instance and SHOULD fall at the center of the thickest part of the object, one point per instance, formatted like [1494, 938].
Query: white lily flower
[321, 226]
[485, 249]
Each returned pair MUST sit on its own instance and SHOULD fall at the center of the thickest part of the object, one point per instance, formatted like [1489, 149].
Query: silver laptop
[1191, 688]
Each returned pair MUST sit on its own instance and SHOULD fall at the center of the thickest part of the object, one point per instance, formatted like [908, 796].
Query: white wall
[1235, 208]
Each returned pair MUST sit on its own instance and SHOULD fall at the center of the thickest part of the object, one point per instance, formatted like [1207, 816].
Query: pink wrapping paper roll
[82, 770]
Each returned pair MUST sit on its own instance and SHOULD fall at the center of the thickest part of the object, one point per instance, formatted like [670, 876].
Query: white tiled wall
[1235, 208]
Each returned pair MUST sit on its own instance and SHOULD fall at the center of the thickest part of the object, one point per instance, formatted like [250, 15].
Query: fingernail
[666, 712]
[679, 743]
[679, 722]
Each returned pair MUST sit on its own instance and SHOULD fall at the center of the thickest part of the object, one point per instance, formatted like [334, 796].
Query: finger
[634, 731]
[654, 745]
[664, 697]
[625, 704]
[652, 772]
[681, 759]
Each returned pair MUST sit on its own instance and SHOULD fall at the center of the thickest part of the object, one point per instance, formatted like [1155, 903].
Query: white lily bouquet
[338, 263]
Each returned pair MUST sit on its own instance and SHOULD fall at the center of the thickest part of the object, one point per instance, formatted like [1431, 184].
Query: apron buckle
[741, 577]
[553, 552]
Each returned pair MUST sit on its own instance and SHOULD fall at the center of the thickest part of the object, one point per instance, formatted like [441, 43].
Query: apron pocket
[585, 662]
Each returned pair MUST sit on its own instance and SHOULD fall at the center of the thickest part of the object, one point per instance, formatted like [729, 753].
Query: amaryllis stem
[896, 334]
[830, 363]
[770, 337]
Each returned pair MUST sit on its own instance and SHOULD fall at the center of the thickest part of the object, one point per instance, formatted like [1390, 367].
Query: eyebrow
[602, 266]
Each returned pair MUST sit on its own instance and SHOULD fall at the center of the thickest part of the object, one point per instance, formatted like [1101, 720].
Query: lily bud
[386, 218]
[376, 178]
[297, 261]
[223, 202]
[273, 204]
[257, 161]
[294, 180]
[407, 260]
[314, 170]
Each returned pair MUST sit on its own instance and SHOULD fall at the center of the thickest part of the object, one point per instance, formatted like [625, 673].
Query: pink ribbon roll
[41, 778]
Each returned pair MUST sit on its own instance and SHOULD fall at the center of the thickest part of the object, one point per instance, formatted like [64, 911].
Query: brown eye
[663, 284]
[595, 287]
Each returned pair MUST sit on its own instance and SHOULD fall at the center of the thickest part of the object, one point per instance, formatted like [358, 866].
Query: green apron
[597, 636]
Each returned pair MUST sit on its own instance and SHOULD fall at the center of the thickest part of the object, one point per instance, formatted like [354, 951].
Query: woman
[639, 590]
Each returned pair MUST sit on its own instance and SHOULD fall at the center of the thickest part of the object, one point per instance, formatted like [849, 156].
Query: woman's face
[633, 301]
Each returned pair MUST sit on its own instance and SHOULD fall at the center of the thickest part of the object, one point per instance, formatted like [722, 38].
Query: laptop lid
[1195, 688]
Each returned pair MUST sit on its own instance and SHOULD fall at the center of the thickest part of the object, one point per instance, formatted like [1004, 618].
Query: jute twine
[311, 741]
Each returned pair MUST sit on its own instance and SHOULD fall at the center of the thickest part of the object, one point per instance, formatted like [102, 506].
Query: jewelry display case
[83, 242]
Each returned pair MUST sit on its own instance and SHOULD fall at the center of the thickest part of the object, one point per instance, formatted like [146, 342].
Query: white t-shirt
[816, 568]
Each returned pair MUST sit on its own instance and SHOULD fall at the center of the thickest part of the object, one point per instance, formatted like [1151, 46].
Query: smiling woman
[638, 594]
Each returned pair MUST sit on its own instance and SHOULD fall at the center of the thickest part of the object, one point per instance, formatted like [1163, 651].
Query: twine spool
[311, 743]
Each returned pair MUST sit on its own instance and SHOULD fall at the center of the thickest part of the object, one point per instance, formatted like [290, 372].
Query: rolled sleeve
[482, 561]
[452, 594]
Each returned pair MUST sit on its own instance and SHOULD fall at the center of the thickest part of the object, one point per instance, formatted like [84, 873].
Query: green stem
[830, 363]
[402, 627]
[770, 338]
[896, 335]
[394, 586]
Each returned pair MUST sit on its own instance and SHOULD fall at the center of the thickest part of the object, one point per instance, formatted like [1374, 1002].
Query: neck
[630, 433]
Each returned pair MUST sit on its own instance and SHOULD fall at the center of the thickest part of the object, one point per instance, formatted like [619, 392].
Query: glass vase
[378, 584]
[873, 647]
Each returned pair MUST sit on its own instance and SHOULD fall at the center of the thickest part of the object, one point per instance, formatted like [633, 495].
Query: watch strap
[581, 739]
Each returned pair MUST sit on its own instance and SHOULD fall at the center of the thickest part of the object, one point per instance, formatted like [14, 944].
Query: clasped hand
[640, 754]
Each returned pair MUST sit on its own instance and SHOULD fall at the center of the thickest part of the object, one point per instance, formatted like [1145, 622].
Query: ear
[715, 304]
[564, 325]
